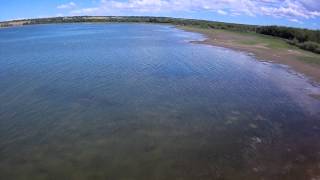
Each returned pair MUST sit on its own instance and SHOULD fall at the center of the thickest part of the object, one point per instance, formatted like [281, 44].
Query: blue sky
[298, 13]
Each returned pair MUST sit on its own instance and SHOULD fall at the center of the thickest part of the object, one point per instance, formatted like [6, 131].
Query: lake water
[139, 101]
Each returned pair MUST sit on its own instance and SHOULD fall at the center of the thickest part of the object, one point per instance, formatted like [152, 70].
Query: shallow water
[138, 101]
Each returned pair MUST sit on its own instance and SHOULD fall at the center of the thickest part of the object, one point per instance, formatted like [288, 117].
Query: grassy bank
[264, 47]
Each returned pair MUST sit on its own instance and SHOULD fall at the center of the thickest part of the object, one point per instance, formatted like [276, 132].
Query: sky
[297, 13]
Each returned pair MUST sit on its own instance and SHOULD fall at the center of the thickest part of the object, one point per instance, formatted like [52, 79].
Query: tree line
[302, 38]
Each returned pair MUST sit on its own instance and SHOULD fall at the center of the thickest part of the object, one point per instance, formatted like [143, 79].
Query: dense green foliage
[307, 45]
[136, 19]
[302, 38]
[301, 35]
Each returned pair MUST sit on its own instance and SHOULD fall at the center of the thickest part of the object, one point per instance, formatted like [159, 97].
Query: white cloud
[242, 6]
[69, 5]
[296, 21]
[85, 11]
[222, 12]
[59, 15]
[289, 9]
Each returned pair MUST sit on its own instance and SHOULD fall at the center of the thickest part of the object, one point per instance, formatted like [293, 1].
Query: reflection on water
[129, 101]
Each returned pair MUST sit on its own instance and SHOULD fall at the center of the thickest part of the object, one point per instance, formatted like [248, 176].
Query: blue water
[139, 101]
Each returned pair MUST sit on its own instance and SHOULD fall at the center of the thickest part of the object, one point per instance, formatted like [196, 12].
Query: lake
[140, 101]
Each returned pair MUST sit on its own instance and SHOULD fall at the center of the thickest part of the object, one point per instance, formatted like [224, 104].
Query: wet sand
[264, 48]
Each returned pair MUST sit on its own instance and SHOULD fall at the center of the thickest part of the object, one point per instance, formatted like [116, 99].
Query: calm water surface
[138, 101]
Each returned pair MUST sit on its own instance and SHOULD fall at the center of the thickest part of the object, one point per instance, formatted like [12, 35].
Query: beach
[265, 48]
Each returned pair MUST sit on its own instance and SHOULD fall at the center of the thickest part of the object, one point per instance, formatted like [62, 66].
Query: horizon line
[52, 17]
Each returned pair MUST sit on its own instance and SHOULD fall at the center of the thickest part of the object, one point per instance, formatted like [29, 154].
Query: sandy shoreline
[301, 61]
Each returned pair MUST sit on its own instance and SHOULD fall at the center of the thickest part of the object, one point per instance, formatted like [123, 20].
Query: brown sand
[290, 55]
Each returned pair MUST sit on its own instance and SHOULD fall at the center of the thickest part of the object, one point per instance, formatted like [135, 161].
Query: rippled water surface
[138, 101]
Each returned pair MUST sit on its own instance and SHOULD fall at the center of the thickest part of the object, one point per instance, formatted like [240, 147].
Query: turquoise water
[139, 101]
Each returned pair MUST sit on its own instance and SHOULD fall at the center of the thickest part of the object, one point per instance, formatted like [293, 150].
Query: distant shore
[264, 48]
